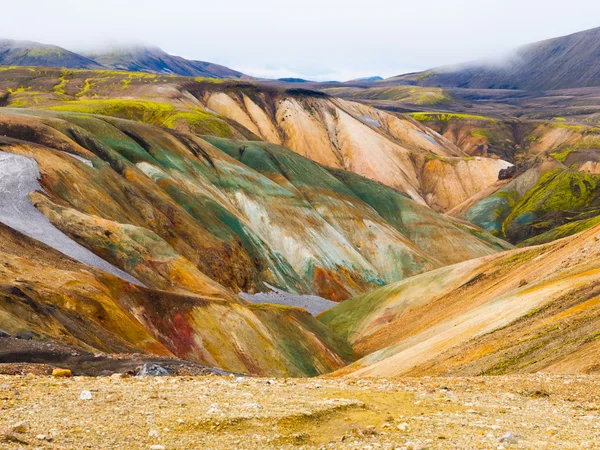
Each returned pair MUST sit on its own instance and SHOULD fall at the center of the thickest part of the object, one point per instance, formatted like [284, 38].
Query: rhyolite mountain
[181, 223]
[571, 61]
[140, 205]
[396, 151]
[27, 53]
[522, 311]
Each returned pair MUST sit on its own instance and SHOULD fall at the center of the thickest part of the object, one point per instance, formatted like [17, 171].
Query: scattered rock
[508, 437]
[20, 427]
[507, 173]
[153, 370]
[62, 373]
[403, 426]
[85, 395]
[153, 433]
[157, 447]
[24, 336]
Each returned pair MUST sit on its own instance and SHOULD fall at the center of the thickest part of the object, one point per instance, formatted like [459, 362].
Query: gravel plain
[522, 412]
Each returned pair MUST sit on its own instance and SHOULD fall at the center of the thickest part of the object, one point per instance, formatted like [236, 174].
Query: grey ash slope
[571, 61]
[153, 59]
[27, 53]
[19, 177]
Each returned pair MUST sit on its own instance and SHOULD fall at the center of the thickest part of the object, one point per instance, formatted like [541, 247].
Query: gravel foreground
[533, 412]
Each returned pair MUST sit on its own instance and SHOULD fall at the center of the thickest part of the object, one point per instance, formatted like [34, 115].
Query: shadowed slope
[564, 62]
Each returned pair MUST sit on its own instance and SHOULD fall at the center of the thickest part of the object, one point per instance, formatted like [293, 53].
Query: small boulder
[85, 395]
[62, 373]
[26, 336]
[20, 427]
[507, 173]
[153, 370]
[4, 334]
[508, 438]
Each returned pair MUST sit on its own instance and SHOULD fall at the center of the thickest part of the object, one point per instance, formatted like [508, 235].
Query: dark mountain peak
[564, 62]
[144, 58]
[29, 53]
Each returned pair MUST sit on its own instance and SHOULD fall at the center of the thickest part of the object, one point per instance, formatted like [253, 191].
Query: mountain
[155, 60]
[293, 80]
[26, 53]
[395, 150]
[126, 237]
[565, 62]
[554, 190]
[132, 59]
[367, 79]
[521, 311]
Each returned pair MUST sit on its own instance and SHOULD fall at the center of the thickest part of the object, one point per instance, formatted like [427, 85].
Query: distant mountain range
[133, 59]
[571, 61]
[27, 53]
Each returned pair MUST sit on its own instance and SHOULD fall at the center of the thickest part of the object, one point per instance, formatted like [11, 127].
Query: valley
[432, 237]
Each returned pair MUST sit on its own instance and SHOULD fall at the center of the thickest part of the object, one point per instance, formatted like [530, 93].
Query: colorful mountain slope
[520, 311]
[394, 150]
[555, 190]
[177, 211]
[345, 135]
[58, 299]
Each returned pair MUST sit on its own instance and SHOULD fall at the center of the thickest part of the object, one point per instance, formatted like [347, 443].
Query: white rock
[153, 433]
[403, 426]
[508, 437]
[157, 447]
[85, 395]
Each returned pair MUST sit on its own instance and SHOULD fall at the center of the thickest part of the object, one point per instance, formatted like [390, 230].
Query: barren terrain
[532, 411]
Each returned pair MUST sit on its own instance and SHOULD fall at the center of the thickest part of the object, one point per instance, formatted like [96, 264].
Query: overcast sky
[314, 39]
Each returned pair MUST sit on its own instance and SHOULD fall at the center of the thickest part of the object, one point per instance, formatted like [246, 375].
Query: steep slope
[26, 53]
[345, 135]
[180, 213]
[564, 62]
[555, 192]
[520, 311]
[396, 151]
[155, 60]
[58, 299]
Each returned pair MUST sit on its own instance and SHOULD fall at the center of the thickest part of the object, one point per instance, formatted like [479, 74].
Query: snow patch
[312, 303]
[370, 121]
[80, 158]
[18, 177]
[429, 138]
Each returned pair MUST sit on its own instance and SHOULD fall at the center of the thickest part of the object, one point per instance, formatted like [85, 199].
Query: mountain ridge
[137, 58]
[569, 61]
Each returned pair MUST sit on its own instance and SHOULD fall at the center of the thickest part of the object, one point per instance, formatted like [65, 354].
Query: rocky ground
[23, 356]
[533, 411]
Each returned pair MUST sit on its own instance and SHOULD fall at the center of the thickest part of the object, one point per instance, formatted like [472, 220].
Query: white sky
[314, 39]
